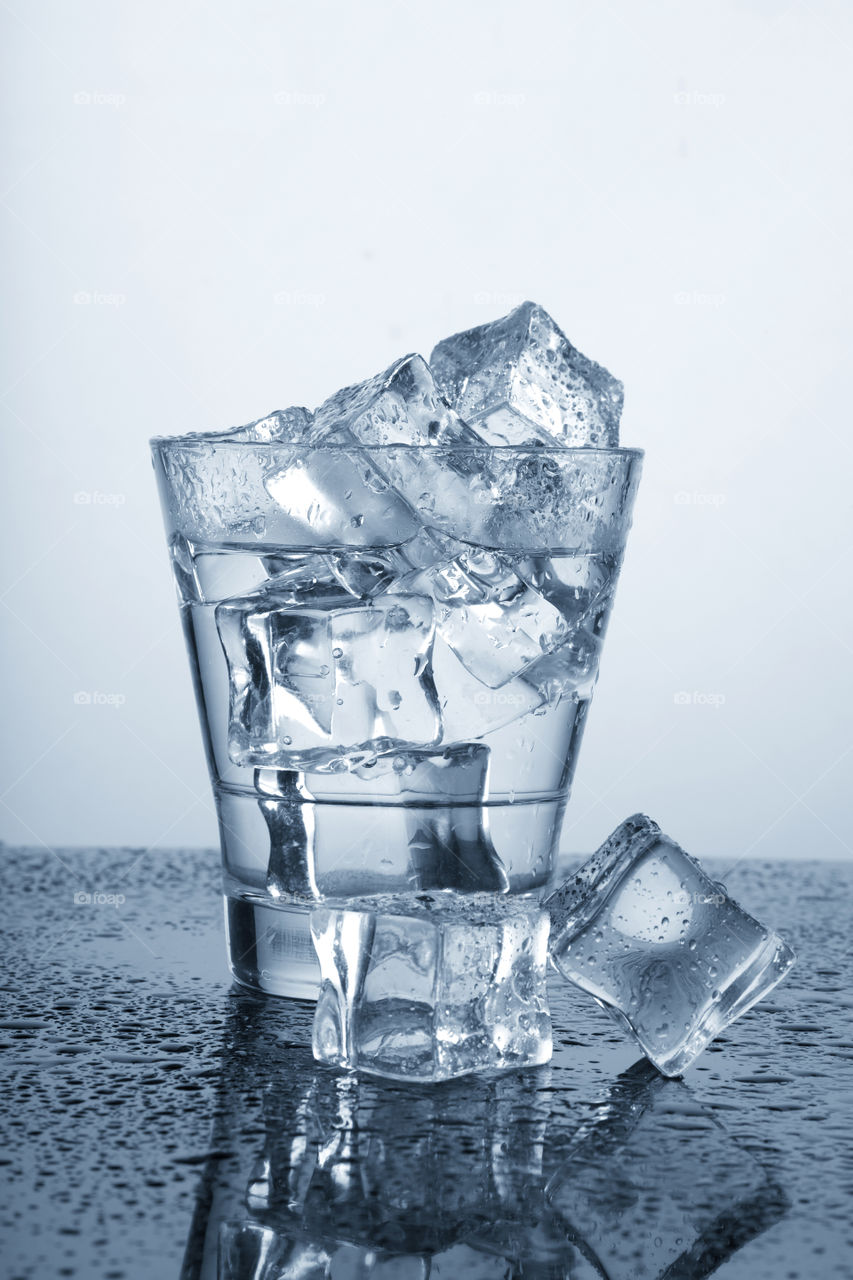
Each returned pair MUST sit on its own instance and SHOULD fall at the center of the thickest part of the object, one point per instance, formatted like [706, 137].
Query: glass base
[270, 947]
[280, 855]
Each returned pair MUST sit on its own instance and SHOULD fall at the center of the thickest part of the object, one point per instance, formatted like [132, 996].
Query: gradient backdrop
[211, 210]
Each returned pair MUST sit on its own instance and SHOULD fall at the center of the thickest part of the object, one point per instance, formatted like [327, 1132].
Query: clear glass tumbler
[393, 651]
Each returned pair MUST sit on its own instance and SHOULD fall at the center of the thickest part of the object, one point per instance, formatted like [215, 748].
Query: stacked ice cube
[429, 596]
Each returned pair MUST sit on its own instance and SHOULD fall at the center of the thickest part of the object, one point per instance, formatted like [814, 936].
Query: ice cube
[210, 576]
[334, 496]
[310, 686]
[519, 381]
[362, 574]
[578, 585]
[383, 684]
[656, 941]
[290, 870]
[412, 820]
[285, 426]
[456, 774]
[469, 709]
[369, 573]
[431, 986]
[655, 1184]
[403, 407]
[497, 624]
[449, 843]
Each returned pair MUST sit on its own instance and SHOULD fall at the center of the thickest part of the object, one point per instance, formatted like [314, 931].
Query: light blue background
[210, 210]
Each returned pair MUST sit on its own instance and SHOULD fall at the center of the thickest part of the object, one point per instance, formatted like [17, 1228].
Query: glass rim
[207, 443]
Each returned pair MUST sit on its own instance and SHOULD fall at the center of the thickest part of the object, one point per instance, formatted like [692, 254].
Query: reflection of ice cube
[431, 986]
[645, 931]
[403, 406]
[519, 381]
[656, 1187]
[449, 845]
[309, 685]
[396, 1167]
[249, 1251]
[496, 623]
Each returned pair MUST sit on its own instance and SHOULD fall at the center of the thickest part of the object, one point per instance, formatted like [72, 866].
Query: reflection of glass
[318, 1176]
[655, 1186]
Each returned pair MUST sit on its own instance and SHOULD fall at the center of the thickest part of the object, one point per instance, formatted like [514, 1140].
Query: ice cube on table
[431, 986]
[312, 685]
[519, 381]
[496, 624]
[657, 942]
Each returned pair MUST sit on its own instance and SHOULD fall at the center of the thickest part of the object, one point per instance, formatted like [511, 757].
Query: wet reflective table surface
[156, 1123]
